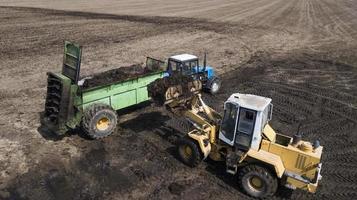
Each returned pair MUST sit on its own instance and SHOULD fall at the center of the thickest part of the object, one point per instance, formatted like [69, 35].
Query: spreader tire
[99, 121]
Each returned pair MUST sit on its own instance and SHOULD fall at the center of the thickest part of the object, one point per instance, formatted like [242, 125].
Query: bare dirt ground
[301, 53]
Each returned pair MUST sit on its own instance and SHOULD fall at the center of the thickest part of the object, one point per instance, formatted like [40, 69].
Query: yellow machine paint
[299, 159]
[297, 165]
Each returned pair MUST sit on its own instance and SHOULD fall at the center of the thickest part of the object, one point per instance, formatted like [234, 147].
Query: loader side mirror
[270, 112]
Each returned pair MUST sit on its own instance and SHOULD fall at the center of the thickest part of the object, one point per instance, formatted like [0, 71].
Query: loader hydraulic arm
[181, 98]
[201, 116]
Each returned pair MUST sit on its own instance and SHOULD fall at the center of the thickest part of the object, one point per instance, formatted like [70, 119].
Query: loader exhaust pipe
[297, 137]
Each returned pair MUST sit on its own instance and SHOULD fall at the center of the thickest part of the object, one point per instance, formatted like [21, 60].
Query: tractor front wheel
[214, 85]
[99, 121]
[189, 152]
[257, 181]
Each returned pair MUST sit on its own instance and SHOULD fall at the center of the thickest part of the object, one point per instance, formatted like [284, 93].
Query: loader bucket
[176, 88]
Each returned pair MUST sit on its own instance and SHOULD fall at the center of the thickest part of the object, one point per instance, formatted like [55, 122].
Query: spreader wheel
[99, 121]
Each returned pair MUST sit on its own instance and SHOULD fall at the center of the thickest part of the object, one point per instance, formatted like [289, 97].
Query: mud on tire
[99, 121]
[257, 181]
[189, 152]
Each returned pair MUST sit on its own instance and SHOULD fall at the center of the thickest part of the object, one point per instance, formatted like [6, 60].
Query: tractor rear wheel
[189, 152]
[257, 181]
[99, 121]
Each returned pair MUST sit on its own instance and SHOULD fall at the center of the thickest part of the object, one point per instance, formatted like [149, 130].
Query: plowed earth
[300, 53]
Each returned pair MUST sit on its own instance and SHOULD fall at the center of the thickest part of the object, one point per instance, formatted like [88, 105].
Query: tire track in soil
[328, 112]
[293, 101]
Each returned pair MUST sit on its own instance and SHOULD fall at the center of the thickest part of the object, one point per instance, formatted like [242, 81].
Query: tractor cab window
[245, 128]
[186, 67]
[183, 67]
[229, 121]
[189, 66]
[194, 64]
[172, 65]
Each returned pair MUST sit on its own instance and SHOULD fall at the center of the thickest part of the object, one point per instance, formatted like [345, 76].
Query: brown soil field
[300, 53]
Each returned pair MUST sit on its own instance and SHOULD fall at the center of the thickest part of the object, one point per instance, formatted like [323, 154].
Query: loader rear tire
[257, 181]
[189, 152]
[99, 121]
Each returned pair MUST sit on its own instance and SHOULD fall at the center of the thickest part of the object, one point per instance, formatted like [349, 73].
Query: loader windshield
[245, 128]
[229, 121]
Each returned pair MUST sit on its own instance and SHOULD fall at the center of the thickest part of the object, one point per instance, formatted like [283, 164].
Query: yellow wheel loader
[262, 158]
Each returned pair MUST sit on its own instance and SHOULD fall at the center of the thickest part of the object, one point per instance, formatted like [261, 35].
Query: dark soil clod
[116, 75]
[176, 188]
[158, 88]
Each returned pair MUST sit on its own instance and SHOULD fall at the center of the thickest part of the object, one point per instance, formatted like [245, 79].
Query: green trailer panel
[142, 94]
[66, 99]
[122, 94]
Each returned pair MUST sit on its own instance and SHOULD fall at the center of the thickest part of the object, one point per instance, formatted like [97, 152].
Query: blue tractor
[187, 64]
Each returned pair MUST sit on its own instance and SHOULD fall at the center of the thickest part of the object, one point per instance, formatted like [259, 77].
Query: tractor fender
[210, 80]
[270, 159]
[203, 142]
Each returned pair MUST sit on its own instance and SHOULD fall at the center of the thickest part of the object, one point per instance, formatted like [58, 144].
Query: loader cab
[245, 117]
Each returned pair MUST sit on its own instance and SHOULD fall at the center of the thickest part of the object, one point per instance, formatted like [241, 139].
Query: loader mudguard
[270, 159]
[203, 142]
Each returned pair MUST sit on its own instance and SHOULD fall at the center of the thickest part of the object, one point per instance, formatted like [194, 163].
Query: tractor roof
[250, 101]
[183, 57]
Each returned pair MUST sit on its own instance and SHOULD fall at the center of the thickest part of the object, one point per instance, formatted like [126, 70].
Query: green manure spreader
[91, 102]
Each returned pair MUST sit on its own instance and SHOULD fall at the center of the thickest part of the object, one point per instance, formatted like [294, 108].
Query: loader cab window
[229, 121]
[267, 115]
[245, 128]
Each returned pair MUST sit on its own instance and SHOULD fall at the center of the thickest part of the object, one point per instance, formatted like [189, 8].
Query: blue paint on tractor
[166, 74]
[209, 70]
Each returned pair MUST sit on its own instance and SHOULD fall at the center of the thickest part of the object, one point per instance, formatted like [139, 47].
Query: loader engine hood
[301, 159]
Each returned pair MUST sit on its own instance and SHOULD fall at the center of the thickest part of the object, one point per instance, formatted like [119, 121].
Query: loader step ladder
[232, 161]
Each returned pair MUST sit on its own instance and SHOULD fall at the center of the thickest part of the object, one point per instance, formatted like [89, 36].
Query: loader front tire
[99, 121]
[257, 181]
[189, 152]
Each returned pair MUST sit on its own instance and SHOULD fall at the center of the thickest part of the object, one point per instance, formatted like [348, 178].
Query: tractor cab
[245, 117]
[188, 65]
[185, 64]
